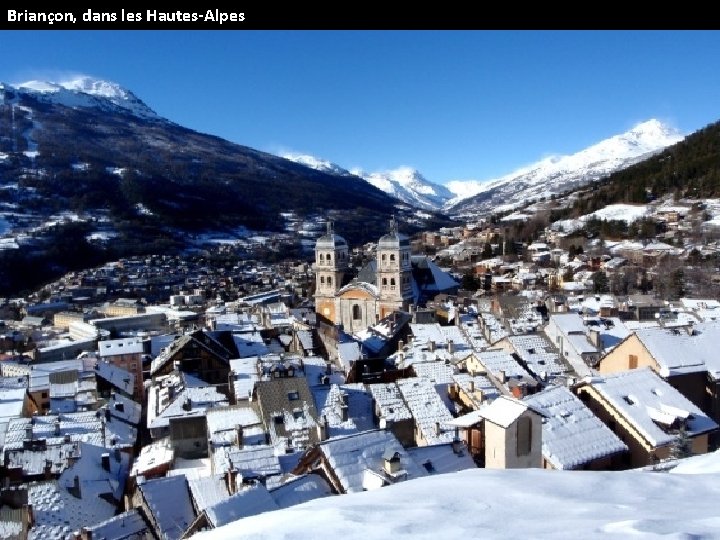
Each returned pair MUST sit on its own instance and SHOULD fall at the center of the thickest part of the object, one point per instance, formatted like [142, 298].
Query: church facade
[388, 283]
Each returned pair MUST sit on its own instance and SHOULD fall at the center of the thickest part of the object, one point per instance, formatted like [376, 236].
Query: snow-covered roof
[316, 367]
[257, 460]
[223, 422]
[125, 409]
[300, 490]
[118, 377]
[89, 427]
[538, 354]
[207, 491]
[244, 375]
[168, 499]
[496, 362]
[568, 323]
[329, 401]
[428, 409]
[479, 383]
[503, 411]
[678, 352]
[389, 402]
[250, 501]
[249, 345]
[191, 401]
[127, 525]
[351, 456]
[648, 402]
[152, 456]
[571, 434]
[11, 403]
[81, 496]
[443, 458]
[348, 352]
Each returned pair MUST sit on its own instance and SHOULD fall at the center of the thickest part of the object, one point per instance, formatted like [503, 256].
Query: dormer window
[293, 395]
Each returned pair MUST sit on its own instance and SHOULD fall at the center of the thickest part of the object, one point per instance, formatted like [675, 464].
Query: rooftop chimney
[451, 346]
[438, 431]
[431, 345]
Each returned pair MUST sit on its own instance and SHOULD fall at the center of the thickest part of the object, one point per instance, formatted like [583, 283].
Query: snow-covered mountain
[316, 163]
[404, 183]
[83, 91]
[408, 185]
[558, 174]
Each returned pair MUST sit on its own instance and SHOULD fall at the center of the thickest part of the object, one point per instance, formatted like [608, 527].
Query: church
[394, 281]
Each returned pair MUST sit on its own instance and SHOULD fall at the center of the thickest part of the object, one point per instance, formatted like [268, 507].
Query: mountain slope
[558, 174]
[689, 169]
[87, 144]
[404, 183]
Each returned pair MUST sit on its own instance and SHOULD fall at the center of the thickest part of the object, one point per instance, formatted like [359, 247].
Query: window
[329, 281]
[356, 313]
[278, 419]
[524, 436]
[384, 257]
[632, 361]
[392, 284]
[322, 280]
[392, 256]
[321, 257]
[384, 282]
[293, 395]
[298, 414]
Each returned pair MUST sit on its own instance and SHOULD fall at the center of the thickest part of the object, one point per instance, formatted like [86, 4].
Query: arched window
[384, 282]
[322, 280]
[321, 257]
[356, 313]
[383, 257]
[392, 284]
[329, 258]
[392, 256]
[329, 281]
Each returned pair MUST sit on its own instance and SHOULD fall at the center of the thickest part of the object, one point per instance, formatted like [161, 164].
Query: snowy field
[503, 504]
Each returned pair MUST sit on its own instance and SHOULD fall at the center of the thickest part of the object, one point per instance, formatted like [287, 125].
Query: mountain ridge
[557, 174]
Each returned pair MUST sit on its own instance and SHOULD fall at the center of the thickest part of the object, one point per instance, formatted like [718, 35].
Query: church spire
[393, 225]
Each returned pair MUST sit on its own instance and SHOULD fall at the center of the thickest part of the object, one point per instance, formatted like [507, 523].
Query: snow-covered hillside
[502, 504]
[315, 163]
[83, 91]
[557, 174]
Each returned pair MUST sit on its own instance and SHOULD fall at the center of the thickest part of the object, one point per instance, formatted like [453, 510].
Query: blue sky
[456, 105]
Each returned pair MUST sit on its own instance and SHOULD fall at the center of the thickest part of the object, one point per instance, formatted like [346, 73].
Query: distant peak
[654, 128]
